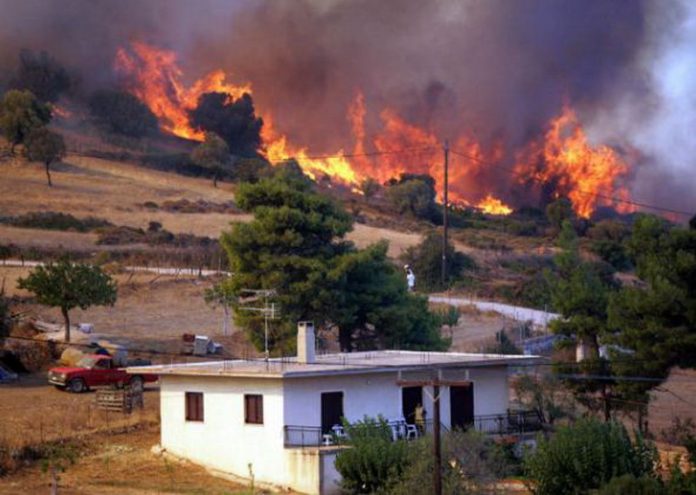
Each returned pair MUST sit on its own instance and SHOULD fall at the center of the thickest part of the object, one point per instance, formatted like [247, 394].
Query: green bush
[585, 456]
[374, 462]
[53, 220]
[630, 485]
[471, 462]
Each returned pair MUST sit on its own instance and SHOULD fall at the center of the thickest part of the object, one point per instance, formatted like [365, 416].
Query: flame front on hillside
[561, 157]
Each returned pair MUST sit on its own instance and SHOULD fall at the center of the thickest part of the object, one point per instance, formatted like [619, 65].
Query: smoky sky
[497, 68]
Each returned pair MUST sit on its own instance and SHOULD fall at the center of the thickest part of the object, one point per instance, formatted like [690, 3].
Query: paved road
[518, 313]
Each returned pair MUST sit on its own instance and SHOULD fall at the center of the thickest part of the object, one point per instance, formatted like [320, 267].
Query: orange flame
[155, 78]
[493, 206]
[587, 175]
[563, 155]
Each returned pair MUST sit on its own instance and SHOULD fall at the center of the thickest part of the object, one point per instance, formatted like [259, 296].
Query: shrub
[471, 462]
[628, 484]
[586, 455]
[415, 195]
[122, 113]
[53, 220]
[502, 344]
[374, 462]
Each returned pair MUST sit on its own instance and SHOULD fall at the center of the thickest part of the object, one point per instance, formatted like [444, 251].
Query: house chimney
[305, 342]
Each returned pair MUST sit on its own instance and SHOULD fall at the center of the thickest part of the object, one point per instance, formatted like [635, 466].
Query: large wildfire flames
[563, 157]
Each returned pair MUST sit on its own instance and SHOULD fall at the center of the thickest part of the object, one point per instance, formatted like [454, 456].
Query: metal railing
[510, 423]
[303, 436]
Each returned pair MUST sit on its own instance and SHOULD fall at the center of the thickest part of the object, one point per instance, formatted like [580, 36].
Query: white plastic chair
[411, 432]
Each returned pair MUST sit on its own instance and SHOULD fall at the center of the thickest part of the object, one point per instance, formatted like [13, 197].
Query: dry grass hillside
[117, 191]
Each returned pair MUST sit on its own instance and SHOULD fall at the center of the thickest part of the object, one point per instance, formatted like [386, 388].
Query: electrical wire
[372, 153]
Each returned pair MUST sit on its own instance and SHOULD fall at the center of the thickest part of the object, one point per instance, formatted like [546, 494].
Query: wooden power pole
[436, 382]
[445, 226]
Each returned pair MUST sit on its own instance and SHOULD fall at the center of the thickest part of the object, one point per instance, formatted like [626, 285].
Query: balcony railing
[511, 423]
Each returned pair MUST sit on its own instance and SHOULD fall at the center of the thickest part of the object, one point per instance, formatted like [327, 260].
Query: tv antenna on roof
[270, 311]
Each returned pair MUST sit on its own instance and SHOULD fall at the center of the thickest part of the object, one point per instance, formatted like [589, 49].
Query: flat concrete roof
[340, 364]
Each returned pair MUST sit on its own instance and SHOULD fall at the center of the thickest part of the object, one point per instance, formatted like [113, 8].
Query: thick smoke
[498, 68]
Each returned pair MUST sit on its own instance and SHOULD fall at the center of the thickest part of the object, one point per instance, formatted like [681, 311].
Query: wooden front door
[331, 410]
[411, 397]
[462, 406]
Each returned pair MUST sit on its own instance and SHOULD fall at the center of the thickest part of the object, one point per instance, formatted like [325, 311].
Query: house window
[194, 406]
[253, 409]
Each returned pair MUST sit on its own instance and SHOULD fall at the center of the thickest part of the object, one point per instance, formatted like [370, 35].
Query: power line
[371, 153]
[586, 193]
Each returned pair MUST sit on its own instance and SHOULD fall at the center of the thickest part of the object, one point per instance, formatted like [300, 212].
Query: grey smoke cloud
[499, 68]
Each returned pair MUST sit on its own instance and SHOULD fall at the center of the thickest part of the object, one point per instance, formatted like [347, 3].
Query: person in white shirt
[410, 278]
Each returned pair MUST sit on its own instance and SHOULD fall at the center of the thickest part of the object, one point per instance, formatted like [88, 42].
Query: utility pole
[437, 453]
[445, 205]
[436, 382]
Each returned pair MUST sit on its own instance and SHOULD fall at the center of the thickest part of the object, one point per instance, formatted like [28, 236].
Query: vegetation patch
[54, 220]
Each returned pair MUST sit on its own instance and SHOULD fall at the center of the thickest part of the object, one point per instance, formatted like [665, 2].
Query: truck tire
[136, 383]
[77, 386]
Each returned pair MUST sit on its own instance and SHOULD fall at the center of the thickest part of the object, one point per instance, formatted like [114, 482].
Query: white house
[270, 419]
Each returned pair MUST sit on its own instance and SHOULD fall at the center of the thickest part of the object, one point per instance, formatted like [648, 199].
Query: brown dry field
[151, 312]
[116, 191]
[122, 464]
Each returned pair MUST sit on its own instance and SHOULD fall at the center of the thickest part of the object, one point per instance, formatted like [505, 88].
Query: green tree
[20, 113]
[426, 261]
[609, 239]
[120, 112]
[558, 212]
[212, 154]
[295, 246]
[251, 169]
[46, 147]
[580, 295]
[68, 285]
[655, 324]
[287, 248]
[586, 455]
[414, 195]
[374, 309]
[41, 74]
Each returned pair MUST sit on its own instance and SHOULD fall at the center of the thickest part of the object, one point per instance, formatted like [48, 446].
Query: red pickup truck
[95, 370]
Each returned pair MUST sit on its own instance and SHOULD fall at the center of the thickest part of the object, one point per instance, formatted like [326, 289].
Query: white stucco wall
[375, 394]
[223, 441]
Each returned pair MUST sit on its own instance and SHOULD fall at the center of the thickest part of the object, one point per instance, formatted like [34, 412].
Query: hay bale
[71, 356]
